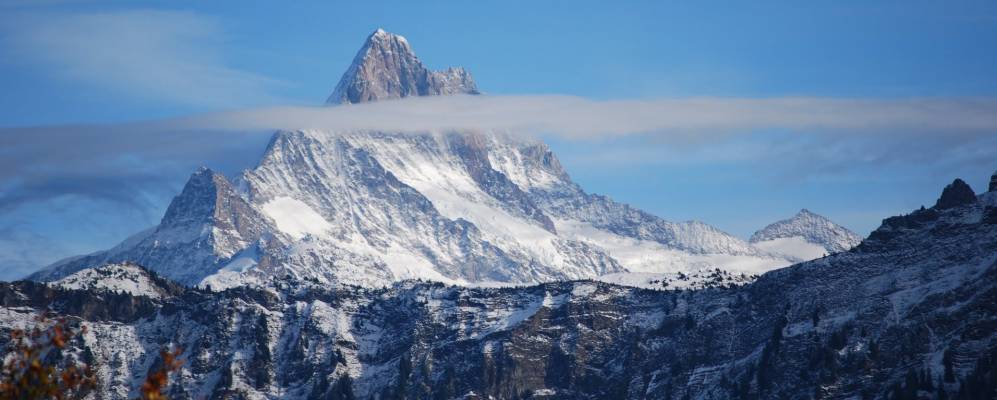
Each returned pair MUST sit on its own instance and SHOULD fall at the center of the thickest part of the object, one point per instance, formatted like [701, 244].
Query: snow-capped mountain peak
[387, 68]
[805, 236]
[371, 208]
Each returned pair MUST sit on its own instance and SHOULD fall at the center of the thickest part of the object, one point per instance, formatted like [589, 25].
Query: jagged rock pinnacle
[955, 194]
[387, 68]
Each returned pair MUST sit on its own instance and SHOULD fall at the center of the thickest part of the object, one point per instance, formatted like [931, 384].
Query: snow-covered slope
[370, 208]
[805, 236]
[118, 278]
[207, 226]
[916, 302]
[409, 202]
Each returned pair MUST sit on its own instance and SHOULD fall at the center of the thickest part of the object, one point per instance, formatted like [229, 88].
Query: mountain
[908, 313]
[372, 208]
[805, 236]
[206, 227]
[387, 68]
[369, 208]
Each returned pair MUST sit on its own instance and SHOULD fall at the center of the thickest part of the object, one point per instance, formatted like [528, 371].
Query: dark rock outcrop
[956, 194]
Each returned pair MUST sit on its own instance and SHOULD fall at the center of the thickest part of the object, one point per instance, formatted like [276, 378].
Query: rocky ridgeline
[910, 313]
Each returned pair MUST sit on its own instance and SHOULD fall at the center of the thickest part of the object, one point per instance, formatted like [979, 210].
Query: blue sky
[78, 62]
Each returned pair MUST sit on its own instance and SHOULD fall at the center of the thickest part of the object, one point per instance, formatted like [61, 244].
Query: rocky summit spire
[993, 182]
[387, 68]
[209, 199]
[955, 194]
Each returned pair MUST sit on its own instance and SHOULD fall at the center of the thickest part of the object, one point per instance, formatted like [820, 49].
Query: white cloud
[834, 134]
[162, 55]
[575, 117]
[119, 164]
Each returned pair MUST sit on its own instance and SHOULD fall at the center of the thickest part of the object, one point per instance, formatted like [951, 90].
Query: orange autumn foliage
[156, 382]
[31, 369]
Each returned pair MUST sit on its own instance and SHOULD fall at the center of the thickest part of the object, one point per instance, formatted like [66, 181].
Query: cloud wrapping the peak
[40, 161]
[133, 169]
[576, 117]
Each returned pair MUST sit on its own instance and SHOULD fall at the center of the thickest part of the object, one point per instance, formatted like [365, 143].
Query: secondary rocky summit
[805, 236]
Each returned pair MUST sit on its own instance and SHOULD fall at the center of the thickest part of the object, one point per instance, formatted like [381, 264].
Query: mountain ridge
[916, 298]
[369, 208]
[342, 205]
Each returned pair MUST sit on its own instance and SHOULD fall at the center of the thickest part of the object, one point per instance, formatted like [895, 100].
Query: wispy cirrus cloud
[170, 56]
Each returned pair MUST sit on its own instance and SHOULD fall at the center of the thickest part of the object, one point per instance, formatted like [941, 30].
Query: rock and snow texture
[463, 207]
[387, 68]
[916, 297]
[206, 226]
[805, 236]
[118, 278]
[370, 208]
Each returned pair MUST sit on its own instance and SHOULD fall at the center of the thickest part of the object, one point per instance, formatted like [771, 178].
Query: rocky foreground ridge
[909, 313]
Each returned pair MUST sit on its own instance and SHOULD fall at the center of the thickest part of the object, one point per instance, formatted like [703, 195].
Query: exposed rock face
[387, 68]
[205, 227]
[208, 199]
[918, 298]
[993, 183]
[956, 194]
